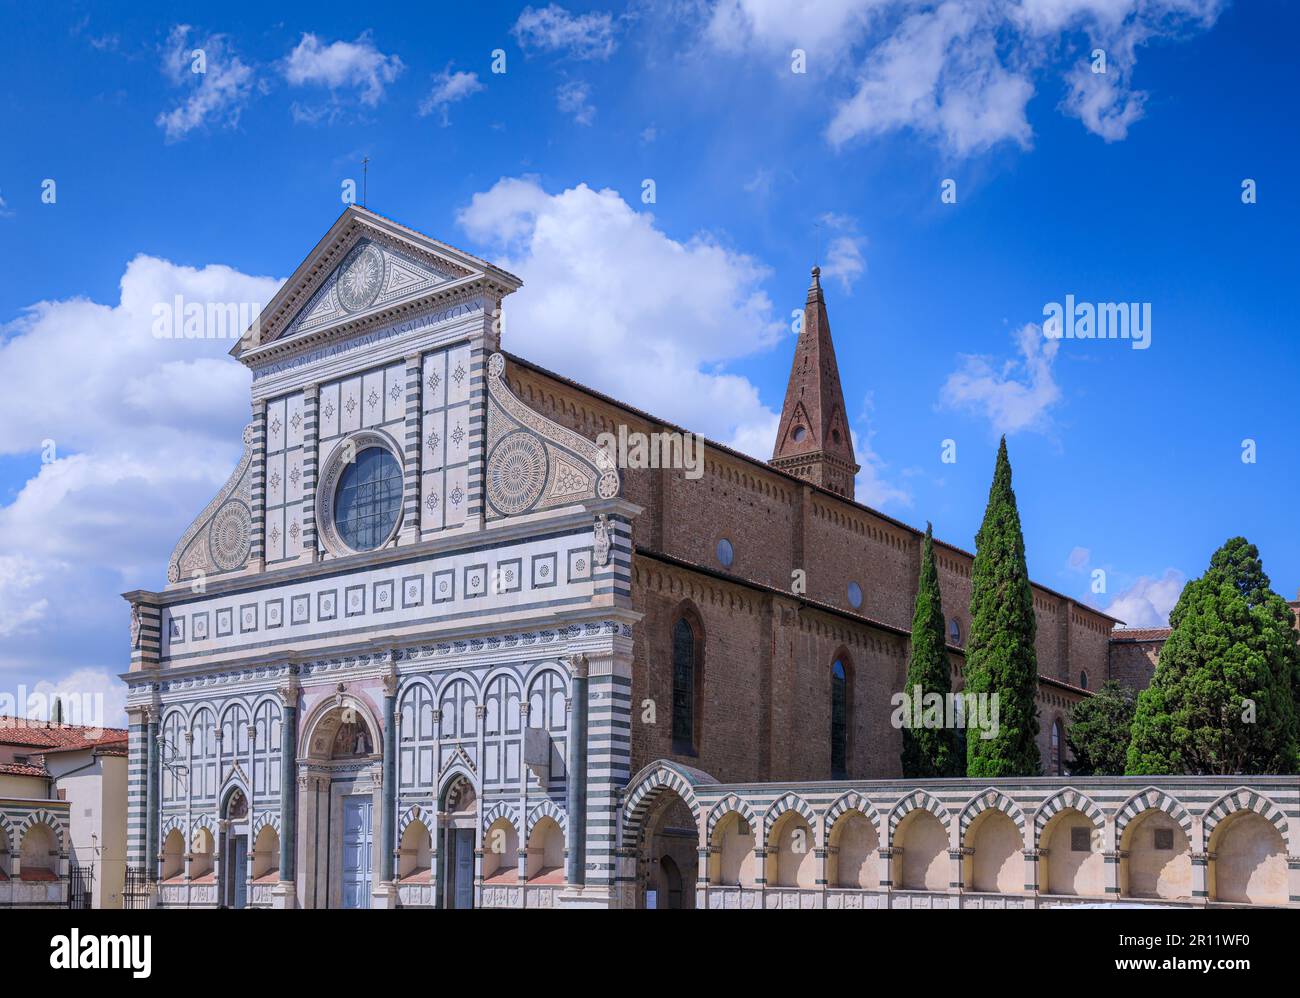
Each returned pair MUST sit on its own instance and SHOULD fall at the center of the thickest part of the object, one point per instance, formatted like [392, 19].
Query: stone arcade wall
[1186, 841]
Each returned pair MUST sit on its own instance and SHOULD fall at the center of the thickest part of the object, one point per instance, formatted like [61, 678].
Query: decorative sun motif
[431, 441]
[432, 502]
[360, 277]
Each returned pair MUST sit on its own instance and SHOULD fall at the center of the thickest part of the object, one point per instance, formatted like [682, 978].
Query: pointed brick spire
[813, 440]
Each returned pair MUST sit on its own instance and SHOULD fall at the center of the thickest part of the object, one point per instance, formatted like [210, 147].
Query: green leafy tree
[1000, 656]
[1100, 731]
[929, 750]
[1223, 698]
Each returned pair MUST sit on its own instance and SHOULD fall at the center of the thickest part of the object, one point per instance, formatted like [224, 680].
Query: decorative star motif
[275, 479]
[433, 381]
[432, 501]
[275, 426]
[296, 421]
[372, 399]
[329, 409]
[457, 435]
[395, 392]
[350, 405]
[431, 441]
[457, 496]
[459, 373]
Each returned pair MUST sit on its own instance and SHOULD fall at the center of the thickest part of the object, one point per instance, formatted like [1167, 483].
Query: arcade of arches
[1194, 841]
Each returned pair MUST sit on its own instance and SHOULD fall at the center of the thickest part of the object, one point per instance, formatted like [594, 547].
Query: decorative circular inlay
[516, 472]
[361, 277]
[230, 537]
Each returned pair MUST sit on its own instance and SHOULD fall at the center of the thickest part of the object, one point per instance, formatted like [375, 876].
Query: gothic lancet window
[1056, 748]
[685, 680]
[839, 722]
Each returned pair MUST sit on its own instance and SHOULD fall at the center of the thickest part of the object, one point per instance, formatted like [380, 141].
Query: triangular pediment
[367, 268]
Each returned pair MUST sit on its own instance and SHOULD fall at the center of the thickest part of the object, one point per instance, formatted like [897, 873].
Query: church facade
[431, 646]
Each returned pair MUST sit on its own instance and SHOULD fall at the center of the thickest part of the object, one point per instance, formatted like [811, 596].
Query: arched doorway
[339, 808]
[669, 854]
[234, 851]
[458, 834]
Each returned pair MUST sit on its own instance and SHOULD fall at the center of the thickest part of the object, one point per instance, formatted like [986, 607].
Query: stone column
[1032, 858]
[576, 787]
[1201, 875]
[956, 868]
[152, 802]
[283, 892]
[1293, 878]
[1112, 858]
[387, 893]
[702, 878]
[887, 855]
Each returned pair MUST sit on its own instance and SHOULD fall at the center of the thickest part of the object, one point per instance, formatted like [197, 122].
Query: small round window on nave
[855, 595]
[725, 554]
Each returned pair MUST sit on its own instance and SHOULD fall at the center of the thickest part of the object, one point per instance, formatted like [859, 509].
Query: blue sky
[1122, 186]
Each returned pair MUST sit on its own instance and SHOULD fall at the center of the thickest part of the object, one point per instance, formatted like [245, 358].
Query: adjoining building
[62, 814]
[415, 649]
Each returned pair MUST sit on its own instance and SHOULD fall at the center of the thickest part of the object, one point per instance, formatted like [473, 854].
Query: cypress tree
[1100, 731]
[929, 751]
[1223, 698]
[1000, 656]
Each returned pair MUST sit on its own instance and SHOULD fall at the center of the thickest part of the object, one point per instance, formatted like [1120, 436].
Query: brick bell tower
[813, 441]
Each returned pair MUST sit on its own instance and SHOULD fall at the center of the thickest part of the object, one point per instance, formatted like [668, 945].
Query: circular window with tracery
[368, 499]
[516, 472]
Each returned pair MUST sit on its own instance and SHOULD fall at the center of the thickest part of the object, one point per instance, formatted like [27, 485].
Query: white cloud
[1016, 396]
[448, 88]
[820, 27]
[554, 29]
[613, 301]
[217, 95]
[960, 73]
[1079, 558]
[844, 261]
[93, 697]
[574, 97]
[20, 602]
[938, 74]
[136, 434]
[357, 65]
[1148, 601]
[870, 486]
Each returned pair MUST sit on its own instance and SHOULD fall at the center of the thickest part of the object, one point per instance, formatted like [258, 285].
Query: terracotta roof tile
[1140, 633]
[56, 737]
[21, 769]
